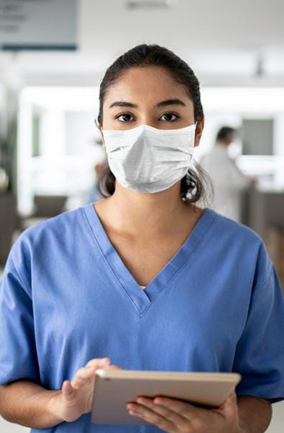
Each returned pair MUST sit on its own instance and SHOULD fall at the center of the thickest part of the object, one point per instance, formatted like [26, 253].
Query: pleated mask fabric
[148, 159]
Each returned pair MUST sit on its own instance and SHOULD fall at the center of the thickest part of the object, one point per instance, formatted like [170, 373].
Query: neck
[146, 214]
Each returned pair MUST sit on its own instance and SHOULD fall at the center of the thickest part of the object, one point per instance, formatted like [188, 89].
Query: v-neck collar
[143, 298]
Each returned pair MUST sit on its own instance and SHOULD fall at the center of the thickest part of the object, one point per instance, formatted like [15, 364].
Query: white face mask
[147, 159]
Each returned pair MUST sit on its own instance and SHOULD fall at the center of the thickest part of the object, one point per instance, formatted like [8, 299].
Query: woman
[143, 277]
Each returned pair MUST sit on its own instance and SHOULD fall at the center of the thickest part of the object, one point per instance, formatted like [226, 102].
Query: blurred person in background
[228, 180]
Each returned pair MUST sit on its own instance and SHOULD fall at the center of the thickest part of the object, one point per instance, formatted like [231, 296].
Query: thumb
[228, 407]
[67, 390]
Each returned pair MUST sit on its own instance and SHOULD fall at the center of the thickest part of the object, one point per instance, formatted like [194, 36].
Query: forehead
[146, 84]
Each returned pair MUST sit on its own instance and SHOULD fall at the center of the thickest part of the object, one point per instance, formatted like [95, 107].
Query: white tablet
[114, 388]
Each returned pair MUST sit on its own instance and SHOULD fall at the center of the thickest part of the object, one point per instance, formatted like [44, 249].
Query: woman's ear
[100, 128]
[198, 131]
[102, 135]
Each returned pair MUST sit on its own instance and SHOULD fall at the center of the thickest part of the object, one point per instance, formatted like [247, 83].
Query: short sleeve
[259, 356]
[18, 357]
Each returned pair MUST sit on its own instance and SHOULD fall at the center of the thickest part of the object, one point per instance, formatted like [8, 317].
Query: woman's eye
[169, 117]
[124, 117]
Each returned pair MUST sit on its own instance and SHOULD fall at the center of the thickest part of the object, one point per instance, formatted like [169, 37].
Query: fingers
[84, 373]
[185, 410]
[175, 417]
[151, 416]
[98, 361]
[115, 367]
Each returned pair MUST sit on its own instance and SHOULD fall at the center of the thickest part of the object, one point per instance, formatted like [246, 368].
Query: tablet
[114, 388]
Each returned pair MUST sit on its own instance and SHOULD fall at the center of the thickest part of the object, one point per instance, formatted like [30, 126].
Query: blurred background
[53, 54]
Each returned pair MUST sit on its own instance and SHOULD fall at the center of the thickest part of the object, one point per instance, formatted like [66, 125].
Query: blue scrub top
[67, 297]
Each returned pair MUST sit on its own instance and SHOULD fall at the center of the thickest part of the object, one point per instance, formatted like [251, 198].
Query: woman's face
[148, 96]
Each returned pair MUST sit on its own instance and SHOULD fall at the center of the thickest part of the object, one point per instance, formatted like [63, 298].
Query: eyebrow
[160, 104]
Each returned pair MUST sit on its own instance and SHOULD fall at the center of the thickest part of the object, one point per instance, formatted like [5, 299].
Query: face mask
[147, 159]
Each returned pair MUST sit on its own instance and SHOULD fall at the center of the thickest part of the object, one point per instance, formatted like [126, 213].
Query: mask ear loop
[96, 123]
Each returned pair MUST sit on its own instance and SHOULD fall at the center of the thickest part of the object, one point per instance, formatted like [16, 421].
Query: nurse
[144, 279]
[229, 182]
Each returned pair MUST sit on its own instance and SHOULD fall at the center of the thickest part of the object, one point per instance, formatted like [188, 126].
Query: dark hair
[225, 132]
[192, 186]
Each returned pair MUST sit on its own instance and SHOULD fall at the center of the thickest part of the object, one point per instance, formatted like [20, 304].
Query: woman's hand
[75, 397]
[174, 416]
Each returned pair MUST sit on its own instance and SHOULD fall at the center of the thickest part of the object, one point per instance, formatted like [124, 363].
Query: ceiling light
[150, 4]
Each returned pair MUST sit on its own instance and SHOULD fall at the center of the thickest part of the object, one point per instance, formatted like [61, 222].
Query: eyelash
[128, 114]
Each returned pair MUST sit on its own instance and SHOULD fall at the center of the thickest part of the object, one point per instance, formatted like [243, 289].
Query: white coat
[228, 181]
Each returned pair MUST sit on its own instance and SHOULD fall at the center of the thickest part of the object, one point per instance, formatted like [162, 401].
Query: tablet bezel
[110, 407]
